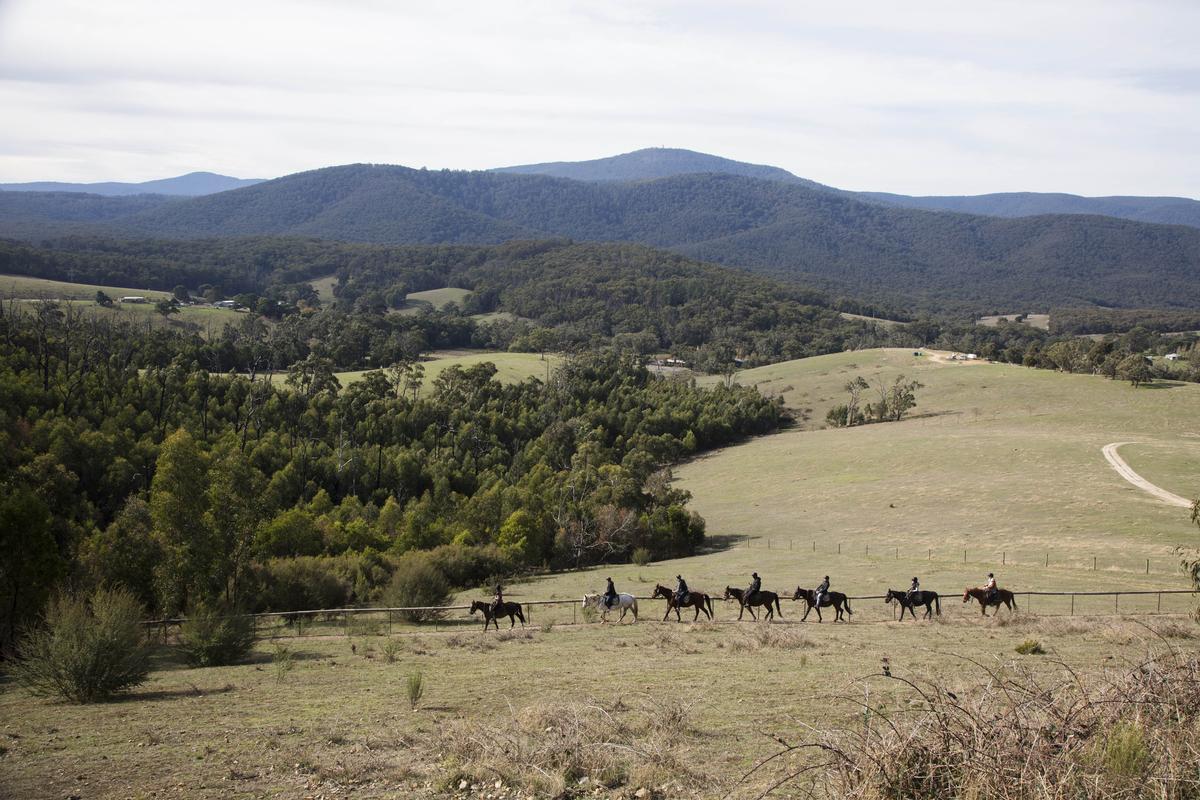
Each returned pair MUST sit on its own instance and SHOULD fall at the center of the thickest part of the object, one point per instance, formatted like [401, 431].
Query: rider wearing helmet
[990, 587]
[821, 590]
[916, 587]
[681, 591]
[752, 590]
[610, 594]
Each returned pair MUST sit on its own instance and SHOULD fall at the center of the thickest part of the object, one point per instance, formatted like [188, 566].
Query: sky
[1092, 97]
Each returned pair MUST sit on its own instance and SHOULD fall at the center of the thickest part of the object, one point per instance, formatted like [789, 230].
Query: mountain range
[193, 184]
[739, 215]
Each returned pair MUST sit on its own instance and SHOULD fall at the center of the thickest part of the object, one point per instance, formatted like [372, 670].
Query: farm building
[134, 298]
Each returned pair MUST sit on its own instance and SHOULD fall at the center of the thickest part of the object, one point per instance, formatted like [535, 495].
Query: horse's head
[728, 593]
[590, 600]
[967, 595]
[661, 591]
[891, 595]
[801, 594]
[476, 606]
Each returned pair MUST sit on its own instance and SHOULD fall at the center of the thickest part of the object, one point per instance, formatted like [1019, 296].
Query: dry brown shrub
[1023, 734]
[550, 749]
[766, 637]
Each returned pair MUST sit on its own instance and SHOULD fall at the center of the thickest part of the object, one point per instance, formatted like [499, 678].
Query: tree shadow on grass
[1162, 385]
[718, 543]
[171, 694]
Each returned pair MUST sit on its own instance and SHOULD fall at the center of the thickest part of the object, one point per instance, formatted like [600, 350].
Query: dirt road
[1126, 472]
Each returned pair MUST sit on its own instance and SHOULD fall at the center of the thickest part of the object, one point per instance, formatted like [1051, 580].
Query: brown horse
[1002, 596]
[695, 600]
[839, 601]
[510, 610]
[761, 598]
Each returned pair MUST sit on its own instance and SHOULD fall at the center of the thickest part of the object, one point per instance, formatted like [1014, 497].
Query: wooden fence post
[1072, 604]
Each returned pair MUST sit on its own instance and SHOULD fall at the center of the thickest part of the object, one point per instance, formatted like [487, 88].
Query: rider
[990, 587]
[498, 600]
[821, 590]
[755, 586]
[610, 594]
[681, 591]
[916, 587]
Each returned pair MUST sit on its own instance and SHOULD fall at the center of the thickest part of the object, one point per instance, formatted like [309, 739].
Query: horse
[839, 601]
[761, 598]
[510, 610]
[695, 600]
[625, 602]
[918, 598]
[1002, 596]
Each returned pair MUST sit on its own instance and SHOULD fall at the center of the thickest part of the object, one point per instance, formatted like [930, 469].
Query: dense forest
[885, 254]
[126, 462]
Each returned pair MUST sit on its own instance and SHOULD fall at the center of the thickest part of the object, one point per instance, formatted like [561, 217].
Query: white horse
[625, 602]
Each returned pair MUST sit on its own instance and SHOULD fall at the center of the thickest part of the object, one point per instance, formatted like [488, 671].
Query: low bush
[415, 687]
[87, 649]
[214, 636]
[417, 581]
[642, 556]
[1031, 647]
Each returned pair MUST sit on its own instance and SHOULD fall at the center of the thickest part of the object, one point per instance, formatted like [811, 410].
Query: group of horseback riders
[683, 595]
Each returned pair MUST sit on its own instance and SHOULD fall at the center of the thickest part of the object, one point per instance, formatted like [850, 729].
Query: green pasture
[1041, 321]
[339, 723]
[324, 288]
[510, 367]
[25, 288]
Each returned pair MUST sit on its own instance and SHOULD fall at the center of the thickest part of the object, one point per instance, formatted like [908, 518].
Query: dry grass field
[1001, 462]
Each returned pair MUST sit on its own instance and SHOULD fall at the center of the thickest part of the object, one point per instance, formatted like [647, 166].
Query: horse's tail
[1014, 600]
[520, 614]
[778, 610]
[937, 601]
[848, 611]
[708, 602]
[633, 605]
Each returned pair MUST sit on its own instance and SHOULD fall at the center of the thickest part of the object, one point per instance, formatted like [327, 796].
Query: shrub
[391, 650]
[415, 686]
[283, 660]
[417, 582]
[87, 649]
[642, 556]
[1031, 647]
[214, 637]
[465, 565]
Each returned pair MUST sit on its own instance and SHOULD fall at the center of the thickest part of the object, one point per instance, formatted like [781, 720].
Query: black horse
[761, 598]
[510, 610]
[698, 601]
[839, 601]
[908, 603]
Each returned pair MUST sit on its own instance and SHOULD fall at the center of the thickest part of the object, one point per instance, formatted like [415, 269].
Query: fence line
[527, 606]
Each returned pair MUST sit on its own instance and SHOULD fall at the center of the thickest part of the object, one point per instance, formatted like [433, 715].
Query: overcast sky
[1083, 96]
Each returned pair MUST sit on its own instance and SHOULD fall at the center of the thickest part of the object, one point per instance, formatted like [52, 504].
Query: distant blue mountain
[194, 184]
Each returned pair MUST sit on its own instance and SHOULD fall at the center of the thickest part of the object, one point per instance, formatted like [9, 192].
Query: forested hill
[656, 162]
[1161, 210]
[192, 184]
[885, 254]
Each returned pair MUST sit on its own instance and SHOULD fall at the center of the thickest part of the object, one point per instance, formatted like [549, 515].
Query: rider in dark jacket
[916, 587]
[753, 589]
[681, 591]
[610, 594]
[821, 590]
[498, 600]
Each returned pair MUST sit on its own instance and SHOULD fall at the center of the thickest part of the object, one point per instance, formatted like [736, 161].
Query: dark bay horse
[510, 610]
[695, 600]
[839, 601]
[921, 598]
[1002, 596]
[761, 598]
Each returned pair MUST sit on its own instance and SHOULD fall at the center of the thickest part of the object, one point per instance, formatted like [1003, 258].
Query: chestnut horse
[918, 598]
[761, 598]
[1002, 596]
[509, 610]
[695, 600]
[839, 601]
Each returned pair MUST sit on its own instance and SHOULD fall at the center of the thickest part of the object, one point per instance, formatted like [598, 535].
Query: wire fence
[361, 622]
[1160, 564]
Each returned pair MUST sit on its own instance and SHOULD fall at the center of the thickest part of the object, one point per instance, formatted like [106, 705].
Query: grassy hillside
[510, 367]
[83, 295]
[439, 297]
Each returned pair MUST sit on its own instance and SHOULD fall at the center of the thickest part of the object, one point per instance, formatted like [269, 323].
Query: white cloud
[935, 97]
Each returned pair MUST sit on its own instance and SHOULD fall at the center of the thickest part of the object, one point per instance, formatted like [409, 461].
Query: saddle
[682, 599]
